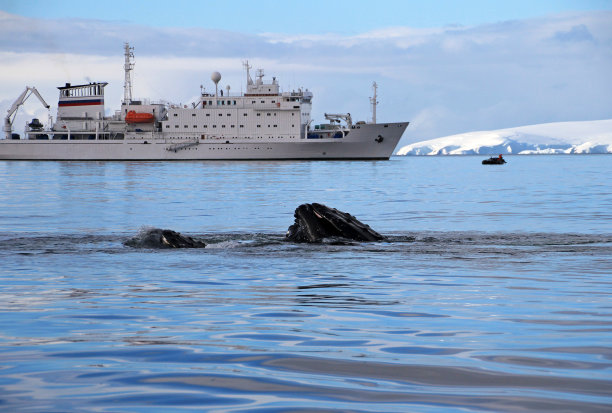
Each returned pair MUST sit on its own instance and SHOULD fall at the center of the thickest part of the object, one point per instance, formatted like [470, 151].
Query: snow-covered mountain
[546, 138]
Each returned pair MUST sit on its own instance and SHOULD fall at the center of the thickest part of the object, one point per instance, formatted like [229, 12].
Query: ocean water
[492, 291]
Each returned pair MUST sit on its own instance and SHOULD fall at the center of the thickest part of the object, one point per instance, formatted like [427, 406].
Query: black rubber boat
[494, 161]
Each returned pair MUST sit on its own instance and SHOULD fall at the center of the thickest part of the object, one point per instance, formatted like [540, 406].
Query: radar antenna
[216, 77]
[128, 66]
[374, 102]
[260, 75]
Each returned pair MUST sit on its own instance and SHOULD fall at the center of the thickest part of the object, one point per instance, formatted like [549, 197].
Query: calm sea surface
[492, 292]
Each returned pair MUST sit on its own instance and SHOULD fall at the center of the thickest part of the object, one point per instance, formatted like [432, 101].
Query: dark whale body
[163, 238]
[314, 222]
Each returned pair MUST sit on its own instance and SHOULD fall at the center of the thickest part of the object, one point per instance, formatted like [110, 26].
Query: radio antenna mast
[374, 102]
[128, 66]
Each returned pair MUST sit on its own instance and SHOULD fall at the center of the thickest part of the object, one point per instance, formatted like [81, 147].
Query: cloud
[446, 79]
[578, 33]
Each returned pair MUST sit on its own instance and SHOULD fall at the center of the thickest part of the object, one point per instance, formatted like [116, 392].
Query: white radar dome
[215, 77]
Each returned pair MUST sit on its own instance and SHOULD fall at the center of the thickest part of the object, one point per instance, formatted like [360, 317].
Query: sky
[446, 66]
[347, 17]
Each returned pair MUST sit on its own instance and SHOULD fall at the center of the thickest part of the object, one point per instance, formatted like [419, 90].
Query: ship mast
[247, 67]
[374, 102]
[128, 66]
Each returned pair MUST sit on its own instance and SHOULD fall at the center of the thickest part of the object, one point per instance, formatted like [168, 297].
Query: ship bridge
[79, 102]
[259, 88]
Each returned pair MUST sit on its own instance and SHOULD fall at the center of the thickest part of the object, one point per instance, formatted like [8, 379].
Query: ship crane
[10, 117]
[336, 117]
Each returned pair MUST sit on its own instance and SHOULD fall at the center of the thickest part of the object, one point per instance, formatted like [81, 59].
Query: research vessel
[262, 123]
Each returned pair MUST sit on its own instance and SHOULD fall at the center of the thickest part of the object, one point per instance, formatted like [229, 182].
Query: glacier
[580, 137]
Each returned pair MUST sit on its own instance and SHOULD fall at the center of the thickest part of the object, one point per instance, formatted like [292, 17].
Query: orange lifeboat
[136, 117]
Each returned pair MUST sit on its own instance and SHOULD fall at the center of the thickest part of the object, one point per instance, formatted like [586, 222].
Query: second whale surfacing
[315, 222]
[163, 238]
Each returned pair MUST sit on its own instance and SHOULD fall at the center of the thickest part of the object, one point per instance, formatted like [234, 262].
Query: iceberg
[579, 137]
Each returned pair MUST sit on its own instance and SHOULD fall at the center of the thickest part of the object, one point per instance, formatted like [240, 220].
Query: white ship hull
[362, 142]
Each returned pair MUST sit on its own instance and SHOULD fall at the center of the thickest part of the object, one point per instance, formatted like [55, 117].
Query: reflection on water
[438, 317]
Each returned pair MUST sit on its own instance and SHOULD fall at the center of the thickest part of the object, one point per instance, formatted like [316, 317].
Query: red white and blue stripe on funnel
[81, 102]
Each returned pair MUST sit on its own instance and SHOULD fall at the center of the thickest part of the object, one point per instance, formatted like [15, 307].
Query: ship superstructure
[262, 123]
